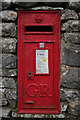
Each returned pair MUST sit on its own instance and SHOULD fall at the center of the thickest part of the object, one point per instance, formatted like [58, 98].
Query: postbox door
[38, 75]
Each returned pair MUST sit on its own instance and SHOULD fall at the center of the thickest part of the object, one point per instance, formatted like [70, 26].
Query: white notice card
[42, 61]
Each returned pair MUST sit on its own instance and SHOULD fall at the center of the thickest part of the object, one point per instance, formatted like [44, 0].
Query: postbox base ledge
[38, 112]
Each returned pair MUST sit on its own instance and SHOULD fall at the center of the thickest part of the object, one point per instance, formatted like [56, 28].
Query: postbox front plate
[39, 62]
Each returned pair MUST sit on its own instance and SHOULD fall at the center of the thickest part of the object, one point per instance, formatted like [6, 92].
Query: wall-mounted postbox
[39, 62]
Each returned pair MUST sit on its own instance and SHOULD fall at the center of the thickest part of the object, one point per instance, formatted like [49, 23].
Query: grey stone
[74, 107]
[71, 25]
[6, 4]
[24, 4]
[0, 48]
[70, 54]
[13, 103]
[3, 100]
[69, 14]
[9, 83]
[14, 113]
[11, 97]
[79, 14]
[6, 112]
[71, 37]
[0, 30]
[0, 60]
[46, 8]
[55, 4]
[9, 72]
[69, 95]
[9, 45]
[1, 85]
[71, 78]
[64, 107]
[8, 15]
[10, 93]
[0, 5]
[74, 5]
[0, 72]
[8, 61]
[9, 29]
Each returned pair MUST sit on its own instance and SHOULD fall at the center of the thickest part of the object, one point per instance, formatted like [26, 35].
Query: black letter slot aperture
[39, 29]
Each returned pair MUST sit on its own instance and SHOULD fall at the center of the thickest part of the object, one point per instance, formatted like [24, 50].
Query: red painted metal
[37, 92]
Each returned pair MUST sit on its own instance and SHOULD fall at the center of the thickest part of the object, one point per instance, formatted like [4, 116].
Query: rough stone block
[11, 97]
[6, 112]
[24, 4]
[69, 14]
[8, 15]
[8, 29]
[71, 78]
[0, 30]
[71, 57]
[55, 3]
[8, 45]
[79, 14]
[70, 54]
[64, 107]
[71, 37]
[0, 47]
[9, 83]
[9, 72]
[0, 60]
[71, 25]
[74, 5]
[69, 95]
[8, 61]
[74, 107]
[45, 8]
[6, 4]
[0, 72]
[1, 85]
[3, 100]
[0, 5]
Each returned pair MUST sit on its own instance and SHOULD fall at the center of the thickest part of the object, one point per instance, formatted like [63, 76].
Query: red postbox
[39, 62]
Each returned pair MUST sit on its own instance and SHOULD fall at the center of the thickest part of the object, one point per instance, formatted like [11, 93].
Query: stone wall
[70, 58]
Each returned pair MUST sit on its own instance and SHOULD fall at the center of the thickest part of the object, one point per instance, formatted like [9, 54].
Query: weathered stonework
[9, 72]
[79, 14]
[6, 4]
[11, 97]
[6, 111]
[24, 4]
[3, 99]
[69, 95]
[72, 37]
[75, 5]
[71, 26]
[8, 15]
[70, 57]
[69, 14]
[9, 83]
[9, 45]
[70, 54]
[71, 78]
[8, 61]
[74, 107]
[8, 30]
